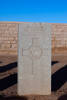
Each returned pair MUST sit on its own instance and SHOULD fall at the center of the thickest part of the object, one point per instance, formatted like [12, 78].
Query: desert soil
[8, 79]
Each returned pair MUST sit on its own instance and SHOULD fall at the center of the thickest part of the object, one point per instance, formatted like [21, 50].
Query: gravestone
[34, 59]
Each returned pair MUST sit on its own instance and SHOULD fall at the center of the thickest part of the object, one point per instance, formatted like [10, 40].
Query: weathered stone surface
[34, 61]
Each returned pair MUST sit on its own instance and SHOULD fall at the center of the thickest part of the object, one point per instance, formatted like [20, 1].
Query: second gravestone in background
[34, 61]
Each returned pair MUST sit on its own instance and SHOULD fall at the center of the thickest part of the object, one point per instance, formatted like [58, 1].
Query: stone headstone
[34, 60]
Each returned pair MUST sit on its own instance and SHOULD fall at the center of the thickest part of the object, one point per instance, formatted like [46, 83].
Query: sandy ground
[8, 79]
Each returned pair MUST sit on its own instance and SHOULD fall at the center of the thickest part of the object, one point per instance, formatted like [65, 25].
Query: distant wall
[9, 38]
[59, 38]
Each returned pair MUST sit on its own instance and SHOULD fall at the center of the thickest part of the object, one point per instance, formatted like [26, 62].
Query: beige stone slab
[34, 59]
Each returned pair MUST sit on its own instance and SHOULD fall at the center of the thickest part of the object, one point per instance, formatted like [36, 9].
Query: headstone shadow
[8, 67]
[14, 98]
[8, 81]
[54, 62]
[59, 78]
[63, 97]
